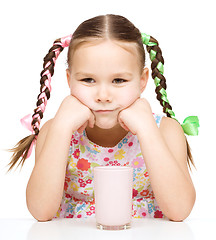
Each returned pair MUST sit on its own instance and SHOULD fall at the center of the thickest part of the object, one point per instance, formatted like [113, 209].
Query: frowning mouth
[104, 111]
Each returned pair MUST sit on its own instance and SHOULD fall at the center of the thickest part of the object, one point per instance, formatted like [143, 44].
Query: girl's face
[106, 76]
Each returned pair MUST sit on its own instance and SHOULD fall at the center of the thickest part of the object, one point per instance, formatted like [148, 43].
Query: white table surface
[30, 229]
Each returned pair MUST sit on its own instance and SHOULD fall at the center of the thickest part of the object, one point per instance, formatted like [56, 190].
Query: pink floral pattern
[84, 155]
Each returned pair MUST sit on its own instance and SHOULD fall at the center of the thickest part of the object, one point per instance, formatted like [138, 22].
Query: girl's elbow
[39, 214]
[177, 218]
[42, 217]
[179, 215]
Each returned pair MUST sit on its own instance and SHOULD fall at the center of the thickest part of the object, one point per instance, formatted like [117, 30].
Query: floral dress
[84, 155]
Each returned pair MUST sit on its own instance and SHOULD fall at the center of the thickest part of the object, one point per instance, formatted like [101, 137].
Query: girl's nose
[103, 94]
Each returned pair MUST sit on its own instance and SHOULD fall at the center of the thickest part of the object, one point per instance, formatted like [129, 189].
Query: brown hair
[99, 28]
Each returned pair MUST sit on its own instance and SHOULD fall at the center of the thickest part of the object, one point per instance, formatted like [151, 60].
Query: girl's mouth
[104, 111]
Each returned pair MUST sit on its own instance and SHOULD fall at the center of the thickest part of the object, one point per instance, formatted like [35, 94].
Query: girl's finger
[81, 129]
[91, 121]
[123, 126]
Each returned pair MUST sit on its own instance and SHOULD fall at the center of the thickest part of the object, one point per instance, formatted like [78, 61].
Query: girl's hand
[137, 116]
[74, 115]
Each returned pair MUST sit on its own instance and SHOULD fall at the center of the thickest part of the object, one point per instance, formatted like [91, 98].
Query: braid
[45, 89]
[157, 74]
[190, 124]
[24, 147]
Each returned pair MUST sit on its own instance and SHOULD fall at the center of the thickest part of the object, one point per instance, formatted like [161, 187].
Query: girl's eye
[119, 80]
[88, 80]
[116, 80]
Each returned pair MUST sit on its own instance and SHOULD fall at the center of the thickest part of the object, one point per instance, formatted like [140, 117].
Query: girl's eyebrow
[113, 75]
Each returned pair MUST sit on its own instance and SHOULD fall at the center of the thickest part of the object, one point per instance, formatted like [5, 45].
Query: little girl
[104, 121]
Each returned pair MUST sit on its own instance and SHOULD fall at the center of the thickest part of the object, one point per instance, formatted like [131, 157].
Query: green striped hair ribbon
[191, 124]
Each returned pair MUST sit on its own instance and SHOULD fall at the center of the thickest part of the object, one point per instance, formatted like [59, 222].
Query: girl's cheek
[128, 98]
[82, 95]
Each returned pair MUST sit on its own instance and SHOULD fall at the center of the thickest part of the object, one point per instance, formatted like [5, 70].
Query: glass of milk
[113, 197]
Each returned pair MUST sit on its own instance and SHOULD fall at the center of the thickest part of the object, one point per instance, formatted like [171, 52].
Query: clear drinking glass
[113, 197]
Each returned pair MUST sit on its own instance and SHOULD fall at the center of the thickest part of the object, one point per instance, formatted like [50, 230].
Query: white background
[186, 34]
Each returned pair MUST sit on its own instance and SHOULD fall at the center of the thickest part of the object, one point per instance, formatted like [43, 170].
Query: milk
[113, 196]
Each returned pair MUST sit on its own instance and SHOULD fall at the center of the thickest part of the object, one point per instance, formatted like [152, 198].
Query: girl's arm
[165, 153]
[45, 187]
[46, 184]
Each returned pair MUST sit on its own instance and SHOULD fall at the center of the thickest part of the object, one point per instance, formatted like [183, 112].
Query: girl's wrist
[147, 129]
[63, 126]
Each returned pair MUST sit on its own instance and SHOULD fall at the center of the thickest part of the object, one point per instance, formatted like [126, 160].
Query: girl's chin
[106, 124]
